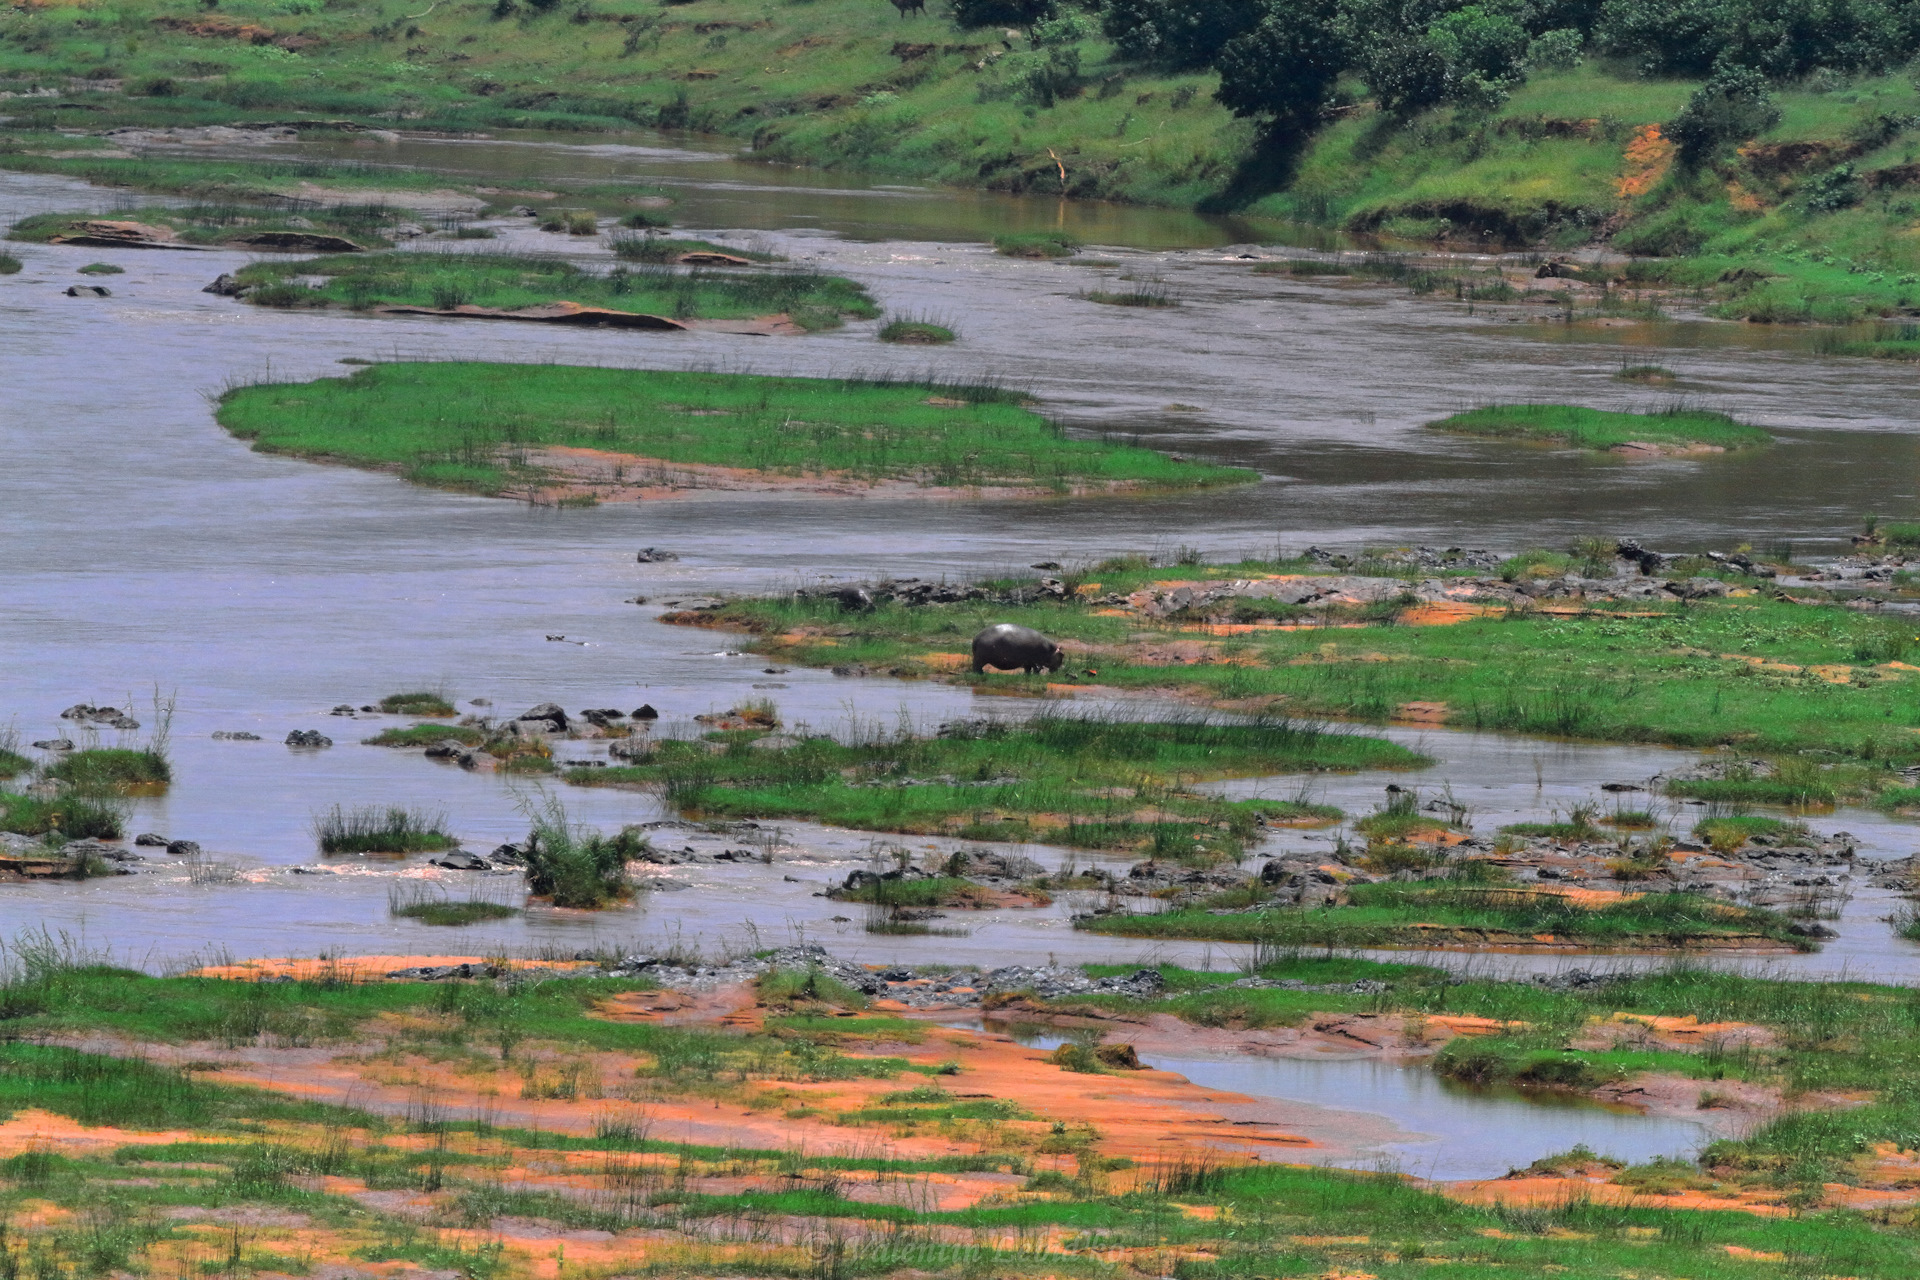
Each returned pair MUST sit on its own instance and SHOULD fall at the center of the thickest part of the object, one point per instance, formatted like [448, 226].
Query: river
[150, 551]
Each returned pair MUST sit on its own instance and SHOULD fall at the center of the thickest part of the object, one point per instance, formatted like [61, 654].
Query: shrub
[1733, 105]
[9, 265]
[578, 868]
[1001, 13]
[1036, 244]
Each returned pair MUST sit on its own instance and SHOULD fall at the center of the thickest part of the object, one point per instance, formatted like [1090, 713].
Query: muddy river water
[148, 550]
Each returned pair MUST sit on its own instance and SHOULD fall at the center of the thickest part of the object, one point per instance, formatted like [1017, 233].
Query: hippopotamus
[1015, 648]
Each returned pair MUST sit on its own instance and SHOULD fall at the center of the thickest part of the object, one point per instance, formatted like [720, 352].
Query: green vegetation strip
[1414, 915]
[1067, 780]
[443, 281]
[1660, 673]
[1677, 428]
[455, 425]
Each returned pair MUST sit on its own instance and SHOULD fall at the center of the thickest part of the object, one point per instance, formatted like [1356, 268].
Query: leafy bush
[9, 265]
[1001, 13]
[578, 868]
[1731, 106]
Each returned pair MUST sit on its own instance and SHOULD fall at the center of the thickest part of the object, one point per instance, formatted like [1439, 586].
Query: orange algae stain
[358, 968]
[1444, 613]
[1549, 1191]
[1421, 713]
[1752, 1255]
[34, 1129]
[946, 661]
[1647, 158]
[1685, 1028]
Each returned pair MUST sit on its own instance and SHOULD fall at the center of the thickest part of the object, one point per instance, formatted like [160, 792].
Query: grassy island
[1674, 430]
[475, 426]
[1069, 780]
[510, 282]
[1425, 914]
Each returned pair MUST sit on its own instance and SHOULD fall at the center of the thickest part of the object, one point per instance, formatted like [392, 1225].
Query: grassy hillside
[1813, 219]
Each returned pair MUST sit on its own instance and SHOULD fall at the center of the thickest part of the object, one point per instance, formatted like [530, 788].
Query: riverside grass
[821, 84]
[456, 425]
[1598, 429]
[1680, 675]
[1425, 914]
[1082, 781]
[444, 281]
[261, 1151]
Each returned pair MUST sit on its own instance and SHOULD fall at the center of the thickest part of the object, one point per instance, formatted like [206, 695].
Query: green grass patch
[381, 829]
[226, 223]
[425, 735]
[1790, 792]
[417, 703]
[454, 912]
[1670, 674]
[102, 269]
[1036, 244]
[12, 763]
[916, 333]
[1080, 781]
[10, 265]
[508, 281]
[75, 816]
[1898, 798]
[660, 249]
[1582, 428]
[460, 425]
[1726, 834]
[1147, 295]
[113, 768]
[1417, 914]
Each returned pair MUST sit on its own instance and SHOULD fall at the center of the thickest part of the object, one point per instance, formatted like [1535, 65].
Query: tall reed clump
[576, 867]
[73, 815]
[12, 763]
[114, 769]
[381, 829]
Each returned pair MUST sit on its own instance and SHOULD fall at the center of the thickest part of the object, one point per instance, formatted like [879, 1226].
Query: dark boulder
[548, 717]
[308, 738]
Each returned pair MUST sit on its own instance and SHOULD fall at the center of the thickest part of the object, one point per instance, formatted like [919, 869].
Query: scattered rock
[308, 738]
[236, 735]
[147, 839]
[509, 854]
[460, 860]
[88, 291]
[645, 711]
[655, 555]
[225, 286]
[184, 848]
[441, 972]
[54, 744]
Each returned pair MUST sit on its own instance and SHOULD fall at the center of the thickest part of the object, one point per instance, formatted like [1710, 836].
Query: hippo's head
[1056, 659]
